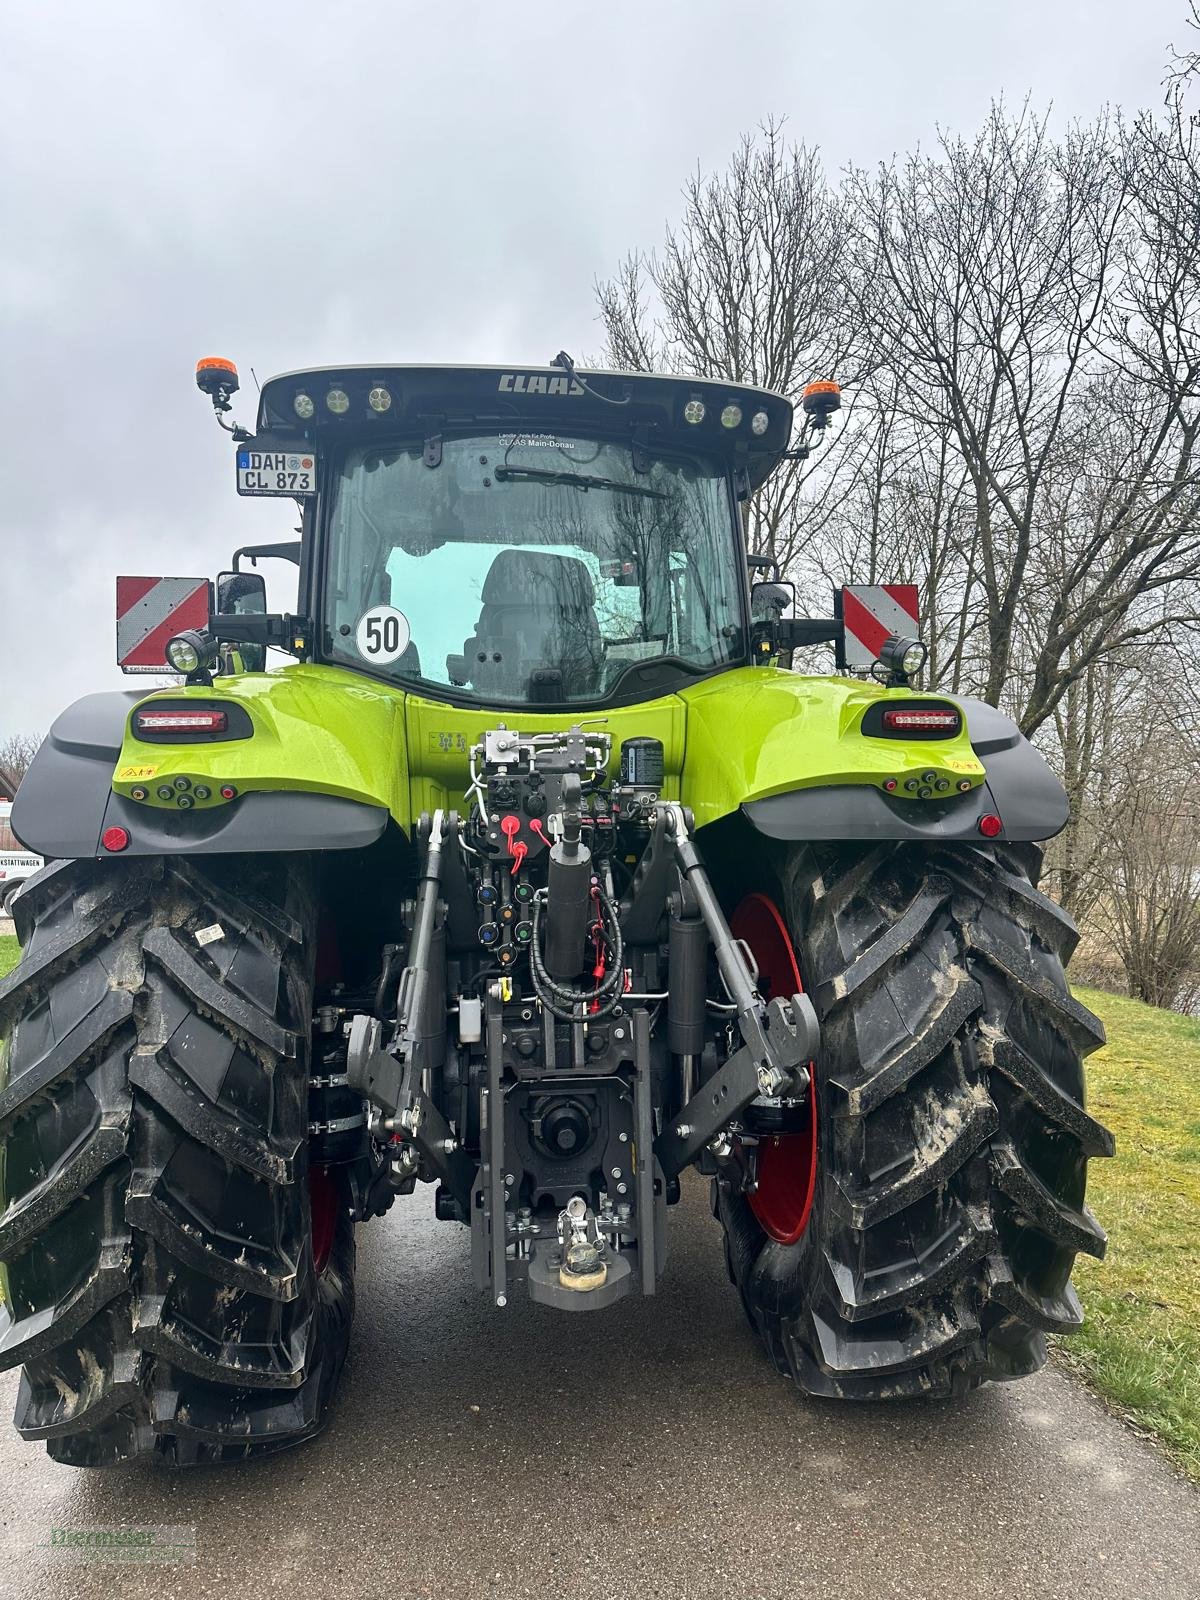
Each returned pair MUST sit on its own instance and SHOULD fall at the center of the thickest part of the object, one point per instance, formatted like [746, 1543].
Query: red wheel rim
[787, 1162]
[323, 1204]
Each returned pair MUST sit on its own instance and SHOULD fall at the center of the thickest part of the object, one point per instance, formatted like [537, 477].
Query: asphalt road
[649, 1451]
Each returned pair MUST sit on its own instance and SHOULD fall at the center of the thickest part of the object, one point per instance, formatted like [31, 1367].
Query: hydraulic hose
[562, 1000]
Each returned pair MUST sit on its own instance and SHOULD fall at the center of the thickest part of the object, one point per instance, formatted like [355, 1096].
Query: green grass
[1140, 1345]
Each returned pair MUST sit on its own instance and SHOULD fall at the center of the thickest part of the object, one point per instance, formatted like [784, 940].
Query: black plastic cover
[433, 401]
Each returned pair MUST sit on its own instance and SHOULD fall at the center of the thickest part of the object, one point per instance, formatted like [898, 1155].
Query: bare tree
[1152, 910]
[905, 516]
[1017, 319]
[981, 275]
[1149, 905]
[1035, 300]
[1183, 67]
[16, 754]
[748, 287]
[1099, 742]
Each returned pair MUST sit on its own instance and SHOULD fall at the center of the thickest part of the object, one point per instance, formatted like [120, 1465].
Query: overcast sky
[320, 182]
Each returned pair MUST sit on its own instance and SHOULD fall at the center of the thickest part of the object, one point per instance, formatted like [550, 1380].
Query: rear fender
[789, 752]
[322, 770]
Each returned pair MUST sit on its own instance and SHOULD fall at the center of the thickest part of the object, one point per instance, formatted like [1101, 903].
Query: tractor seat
[538, 611]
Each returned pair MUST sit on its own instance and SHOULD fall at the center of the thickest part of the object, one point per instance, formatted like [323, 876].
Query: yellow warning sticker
[126, 774]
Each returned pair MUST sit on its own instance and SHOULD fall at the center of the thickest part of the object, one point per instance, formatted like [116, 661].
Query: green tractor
[537, 875]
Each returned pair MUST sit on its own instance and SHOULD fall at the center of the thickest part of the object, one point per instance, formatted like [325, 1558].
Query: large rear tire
[952, 1140]
[156, 1228]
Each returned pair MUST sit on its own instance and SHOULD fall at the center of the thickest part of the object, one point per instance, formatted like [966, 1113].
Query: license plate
[289, 472]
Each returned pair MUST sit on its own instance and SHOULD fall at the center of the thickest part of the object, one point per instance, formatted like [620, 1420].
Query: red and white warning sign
[152, 610]
[871, 613]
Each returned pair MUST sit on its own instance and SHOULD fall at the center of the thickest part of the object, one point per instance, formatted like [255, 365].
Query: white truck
[16, 863]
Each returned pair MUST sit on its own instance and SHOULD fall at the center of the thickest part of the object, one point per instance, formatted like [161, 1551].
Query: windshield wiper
[577, 480]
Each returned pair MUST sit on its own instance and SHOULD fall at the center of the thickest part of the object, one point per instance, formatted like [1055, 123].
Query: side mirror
[241, 594]
[768, 601]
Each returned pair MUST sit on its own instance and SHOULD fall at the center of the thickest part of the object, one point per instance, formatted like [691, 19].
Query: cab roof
[386, 401]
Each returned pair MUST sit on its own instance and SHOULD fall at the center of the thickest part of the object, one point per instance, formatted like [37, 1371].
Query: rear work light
[180, 722]
[917, 722]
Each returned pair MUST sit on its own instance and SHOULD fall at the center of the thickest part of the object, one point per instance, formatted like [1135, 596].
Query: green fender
[761, 731]
[791, 753]
[322, 757]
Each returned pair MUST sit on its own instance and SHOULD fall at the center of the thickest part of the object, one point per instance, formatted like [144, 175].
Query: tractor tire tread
[163, 1299]
[953, 1134]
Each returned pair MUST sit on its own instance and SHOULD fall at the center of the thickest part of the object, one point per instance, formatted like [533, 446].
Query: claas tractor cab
[535, 874]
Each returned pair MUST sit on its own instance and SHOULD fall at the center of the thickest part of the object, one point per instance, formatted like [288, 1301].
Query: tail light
[183, 720]
[918, 722]
[199, 721]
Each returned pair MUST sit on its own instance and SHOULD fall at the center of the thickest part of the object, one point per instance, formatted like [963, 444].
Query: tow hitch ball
[581, 1261]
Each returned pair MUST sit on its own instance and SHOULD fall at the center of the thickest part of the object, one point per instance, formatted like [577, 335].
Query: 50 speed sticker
[382, 635]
